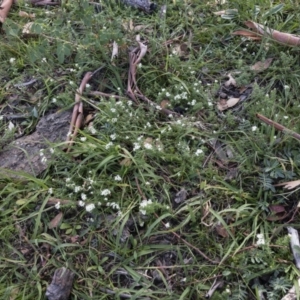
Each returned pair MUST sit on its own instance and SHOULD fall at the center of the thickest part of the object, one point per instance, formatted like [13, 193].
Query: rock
[23, 154]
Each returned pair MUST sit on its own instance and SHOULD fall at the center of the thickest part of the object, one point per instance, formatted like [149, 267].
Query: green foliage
[148, 193]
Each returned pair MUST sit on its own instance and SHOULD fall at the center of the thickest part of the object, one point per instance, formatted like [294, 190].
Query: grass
[154, 212]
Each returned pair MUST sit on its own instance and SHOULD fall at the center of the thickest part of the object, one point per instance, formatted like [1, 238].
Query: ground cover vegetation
[147, 205]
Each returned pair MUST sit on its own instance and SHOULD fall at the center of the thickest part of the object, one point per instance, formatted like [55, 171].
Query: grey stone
[23, 154]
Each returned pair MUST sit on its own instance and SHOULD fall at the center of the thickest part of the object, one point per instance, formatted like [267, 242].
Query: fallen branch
[6, 5]
[261, 30]
[133, 92]
[295, 244]
[4, 9]
[278, 126]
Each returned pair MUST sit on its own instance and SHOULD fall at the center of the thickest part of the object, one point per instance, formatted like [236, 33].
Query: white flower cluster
[260, 239]
[143, 205]
[43, 157]
[198, 152]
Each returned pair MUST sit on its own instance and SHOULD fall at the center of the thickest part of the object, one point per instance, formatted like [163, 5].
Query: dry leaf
[126, 162]
[56, 220]
[219, 13]
[165, 104]
[24, 14]
[249, 34]
[289, 184]
[230, 81]
[181, 196]
[280, 37]
[223, 104]
[88, 119]
[52, 201]
[115, 51]
[224, 12]
[278, 213]
[261, 66]
[221, 230]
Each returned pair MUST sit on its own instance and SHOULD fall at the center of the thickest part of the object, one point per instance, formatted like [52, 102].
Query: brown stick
[77, 115]
[133, 92]
[5, 7]
[278, 126]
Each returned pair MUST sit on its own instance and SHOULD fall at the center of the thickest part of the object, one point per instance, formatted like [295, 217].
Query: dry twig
[278, 126]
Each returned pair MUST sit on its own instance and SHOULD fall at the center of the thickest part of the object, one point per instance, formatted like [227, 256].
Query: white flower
[51, 150]
[87, 85]
[90, 207]
[77, 188]
[145, 203]
[44, 60]
[167, 225]
[81, 203]
[285, 117]
[260, 239]
[50, 191]
[148, 145]
[92, 129]
[108, 145]
[113, 110]
[71, 82]
[57, 205]
[142, 211]
[118, 178]
[54, 100]
[198, 152]
[286, 87]
[168, 94]
[115, 205]
[254, 128]
[1, 118]
[114, 120]
[11, 126]
[68, 179]
[83, 196]
[44, 159]
[129, 103]
[140, 65]
[105, 192]
[193, 102]
[113, 136]
[83, 139]
[136, 146]
[12, 60]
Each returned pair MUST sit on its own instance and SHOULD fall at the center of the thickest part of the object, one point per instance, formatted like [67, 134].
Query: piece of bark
[5, 7]
[295, 245]
[24, 154]
[61, 285]
[144, 5]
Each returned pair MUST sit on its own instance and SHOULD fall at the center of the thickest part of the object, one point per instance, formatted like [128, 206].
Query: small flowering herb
[105, 192]
[90, 207]
[118, 178]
